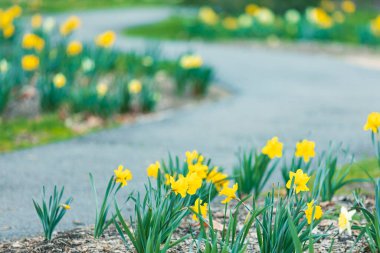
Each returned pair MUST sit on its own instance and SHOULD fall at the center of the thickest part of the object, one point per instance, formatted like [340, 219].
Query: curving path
[276, 92]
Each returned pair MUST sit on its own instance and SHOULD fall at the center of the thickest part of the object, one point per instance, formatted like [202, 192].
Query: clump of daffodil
[70, 25]
[373, 122]
[74, 48]
[309, 212]
[305, 149]
[208, 16]
[299, 182]
[319, 17]
[153, 169]
[36, 21]
[229, 193]
[31, 41]
[375, 26]
[179, 186]
[200, 209]
[30, 62]
[59, 80]
[101, 89]
[348, 6]
[135, 86]
[273, 148]
[106, 39]
[8, 31]
[191, 61]
[194, 182]
[122, 176]
[344, 220]
[230, 23]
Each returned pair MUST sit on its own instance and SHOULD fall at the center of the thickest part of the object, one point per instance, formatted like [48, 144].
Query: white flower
[87, 64]
[292, 16]
[245, 21]
[4, 66]
[344, 220]
[48, 24]
[265, 16]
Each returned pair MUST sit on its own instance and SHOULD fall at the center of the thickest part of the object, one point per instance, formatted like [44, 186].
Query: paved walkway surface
[286, 93]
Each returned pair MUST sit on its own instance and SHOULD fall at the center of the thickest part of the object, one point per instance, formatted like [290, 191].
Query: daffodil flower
[344, 220]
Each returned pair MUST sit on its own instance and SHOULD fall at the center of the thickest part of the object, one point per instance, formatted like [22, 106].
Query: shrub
[51, 210]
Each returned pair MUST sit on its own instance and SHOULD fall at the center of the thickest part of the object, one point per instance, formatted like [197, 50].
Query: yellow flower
[135, 86]
[348, 6]
[6, 19]
[305, 149]
[338, 17]
[300, 180]
[66, 207]
[230, 23]
[74, 48]
[373, 122]
[168, 179]
[191, 156]
[122, 176]
[273, 148]
[180, 186]
[375, 26]
[36, 21]
[208, 16]
[8, 31]
[230, 193]
[153, 169]
[71, 24]
[191, 61]
[194, 183]
[106, 39]
[199, 209]
[265, 16]
[59, 80]
[320, 18]
[102, 89]
[30, 62]
[219, 179]
[252, 9]
[31, 40]
[15, 11]
[309, 212]
[345, 217]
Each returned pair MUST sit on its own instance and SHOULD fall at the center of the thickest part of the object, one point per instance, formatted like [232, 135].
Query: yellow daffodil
[229, 193]
[300, 181]
[230, 23]
[106, 39]
[71, 24]
[273, 148]
[338, 17]
[375, 26]
[153, 169]
[180, 186]
[15, 11]
[66, 207]
[199, 209]
[345, 217]
[373, 122]
[191, 61]
[348, 6]
[122, 176]
[217, 178]
[208, 16]
[102, 89]
[31, 40]
[135, 86]
[191, 156]
[74, 48]
[309, 212]
[30, 62]
[199, 169]
[59, 81]
[36, 21]
[320, 18]
[252, 9]
[168, 179]
[305, 149]
[8, 31]
[194, 183]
